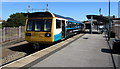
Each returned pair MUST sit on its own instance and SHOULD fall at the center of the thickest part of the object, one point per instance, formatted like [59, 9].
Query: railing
[11, 33]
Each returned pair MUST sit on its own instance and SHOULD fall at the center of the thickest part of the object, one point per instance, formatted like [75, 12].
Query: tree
[15, 20]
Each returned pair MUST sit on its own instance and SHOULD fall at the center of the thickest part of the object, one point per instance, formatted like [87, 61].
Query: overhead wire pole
[109, 30]
[28, 8]
[100, 11]
[46, 7]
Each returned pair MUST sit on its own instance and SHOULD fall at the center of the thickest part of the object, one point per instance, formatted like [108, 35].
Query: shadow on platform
[106, 50]
[109, 51]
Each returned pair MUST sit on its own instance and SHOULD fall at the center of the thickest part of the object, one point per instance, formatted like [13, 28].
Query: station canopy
[99, 18]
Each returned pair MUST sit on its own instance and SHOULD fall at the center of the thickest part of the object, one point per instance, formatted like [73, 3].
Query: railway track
[14, 52]
[17, 51]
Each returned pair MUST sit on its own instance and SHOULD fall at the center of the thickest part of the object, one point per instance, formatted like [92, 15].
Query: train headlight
[28, 34]
[47, 35]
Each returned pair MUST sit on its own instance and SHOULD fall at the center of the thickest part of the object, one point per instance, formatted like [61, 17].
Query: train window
[39, 25]
[67, 24]
[29, 26]
[71, 25]
[47, 25]
[58, 24]
[77, 25]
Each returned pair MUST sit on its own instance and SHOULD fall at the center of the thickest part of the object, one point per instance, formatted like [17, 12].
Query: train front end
[39, 28]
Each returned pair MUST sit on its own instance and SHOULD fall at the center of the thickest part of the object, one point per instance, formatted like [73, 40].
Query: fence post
[3, 34]
[20, 32]
[10, 33]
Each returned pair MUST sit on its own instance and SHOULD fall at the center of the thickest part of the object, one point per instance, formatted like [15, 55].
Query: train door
[63, 28]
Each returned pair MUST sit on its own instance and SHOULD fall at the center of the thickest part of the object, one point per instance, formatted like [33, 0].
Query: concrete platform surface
[91, 50]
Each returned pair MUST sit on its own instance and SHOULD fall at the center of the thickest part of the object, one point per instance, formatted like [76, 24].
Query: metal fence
[11, 33]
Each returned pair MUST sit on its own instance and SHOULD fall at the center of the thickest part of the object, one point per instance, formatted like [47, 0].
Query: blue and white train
[47, 27]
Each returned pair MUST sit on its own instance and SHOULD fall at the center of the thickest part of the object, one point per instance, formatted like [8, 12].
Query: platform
[91, 50]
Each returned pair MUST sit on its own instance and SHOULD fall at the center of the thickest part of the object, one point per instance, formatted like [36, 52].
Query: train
[47, 27]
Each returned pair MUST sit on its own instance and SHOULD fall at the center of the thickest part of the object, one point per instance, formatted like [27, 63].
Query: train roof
[68, 18]
[49, 14]
[56, 15]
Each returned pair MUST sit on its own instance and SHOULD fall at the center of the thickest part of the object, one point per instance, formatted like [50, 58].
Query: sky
[59, 0]
[75, 10]
[119, 9]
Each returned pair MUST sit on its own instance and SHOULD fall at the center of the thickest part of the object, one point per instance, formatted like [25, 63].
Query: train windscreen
[40, 25]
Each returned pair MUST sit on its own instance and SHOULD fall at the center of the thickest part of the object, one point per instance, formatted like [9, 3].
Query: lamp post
[91, 24]
[109, 30]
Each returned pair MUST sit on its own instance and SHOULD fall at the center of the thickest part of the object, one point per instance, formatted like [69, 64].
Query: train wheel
[36, 45]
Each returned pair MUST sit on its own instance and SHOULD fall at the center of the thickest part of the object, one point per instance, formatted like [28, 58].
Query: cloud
[59, 0]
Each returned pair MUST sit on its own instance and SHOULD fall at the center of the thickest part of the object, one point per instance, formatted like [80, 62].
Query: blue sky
[76, 10]
[59, 0]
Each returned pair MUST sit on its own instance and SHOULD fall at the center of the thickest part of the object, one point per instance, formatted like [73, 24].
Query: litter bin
[116, 46]
[112, 35]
